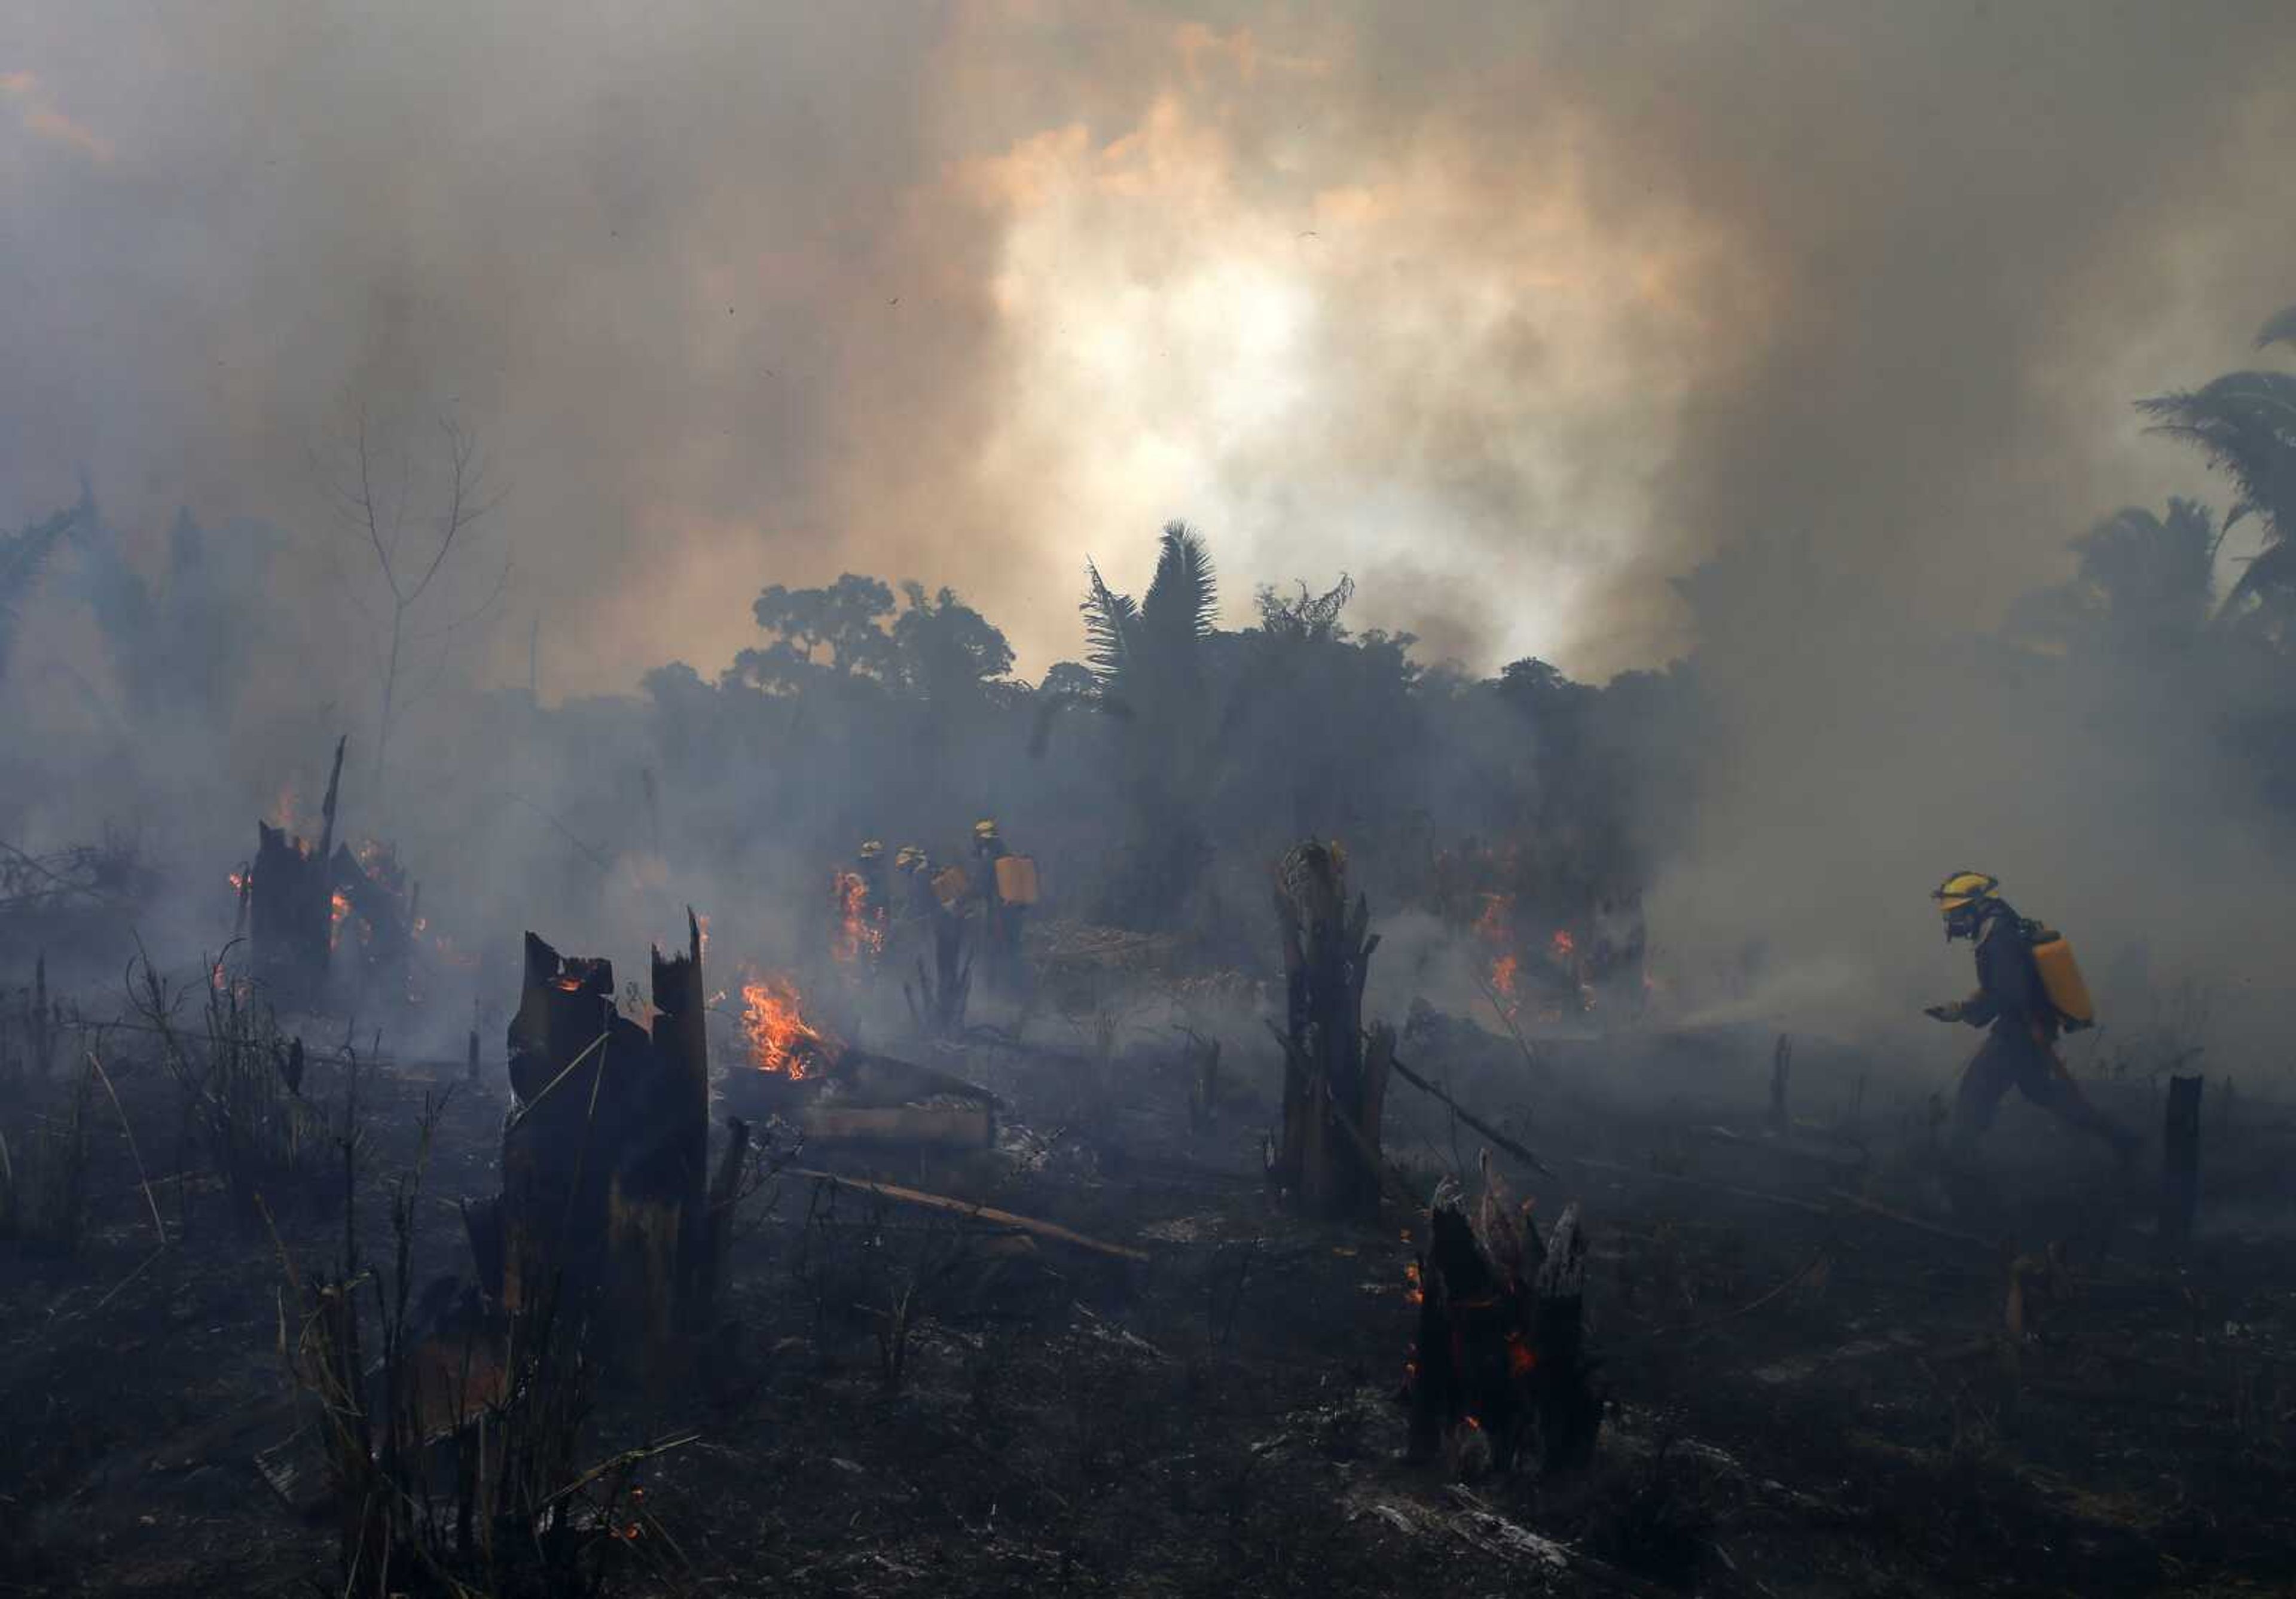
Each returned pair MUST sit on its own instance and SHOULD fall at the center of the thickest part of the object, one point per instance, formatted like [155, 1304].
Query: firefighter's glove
[1944, 1012]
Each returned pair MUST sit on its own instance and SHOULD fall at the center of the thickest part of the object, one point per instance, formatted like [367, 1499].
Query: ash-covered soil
[1817, 1386]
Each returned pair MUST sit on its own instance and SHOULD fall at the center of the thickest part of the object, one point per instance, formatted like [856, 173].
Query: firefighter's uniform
[2011, 1000]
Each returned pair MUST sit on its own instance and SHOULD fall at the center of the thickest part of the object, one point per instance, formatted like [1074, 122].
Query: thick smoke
[1551, 299]
[1518, 314]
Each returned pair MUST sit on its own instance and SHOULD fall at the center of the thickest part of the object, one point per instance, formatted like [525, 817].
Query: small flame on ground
[339, 912]
[775, 1027]
[1413, 1293]
[860, 930]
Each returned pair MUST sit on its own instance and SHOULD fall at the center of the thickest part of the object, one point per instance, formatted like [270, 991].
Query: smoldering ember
[1106, 799]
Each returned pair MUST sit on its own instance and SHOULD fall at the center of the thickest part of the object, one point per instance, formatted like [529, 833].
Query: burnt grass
[1811, 1398]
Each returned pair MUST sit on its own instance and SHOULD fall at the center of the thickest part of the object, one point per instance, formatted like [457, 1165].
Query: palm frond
[2279, 329]
[1111, 622]
[2272, 572]
[2245, 422]
[1184, 596]
[23, 556]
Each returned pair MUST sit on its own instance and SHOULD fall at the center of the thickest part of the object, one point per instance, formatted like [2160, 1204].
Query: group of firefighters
[1000, 889]
[2029, 991]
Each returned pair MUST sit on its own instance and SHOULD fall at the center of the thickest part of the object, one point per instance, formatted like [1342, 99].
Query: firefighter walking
[2028, 991]
[1007, 888]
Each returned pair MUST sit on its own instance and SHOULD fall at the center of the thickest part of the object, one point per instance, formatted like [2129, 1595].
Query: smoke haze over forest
[1511, 314]
[1796, 339]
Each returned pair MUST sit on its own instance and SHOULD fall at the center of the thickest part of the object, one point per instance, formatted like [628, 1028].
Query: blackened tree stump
[1335, 1084]
[605, 1207]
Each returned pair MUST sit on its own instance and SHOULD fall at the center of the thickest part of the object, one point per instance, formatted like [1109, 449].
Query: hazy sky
[1511, 311]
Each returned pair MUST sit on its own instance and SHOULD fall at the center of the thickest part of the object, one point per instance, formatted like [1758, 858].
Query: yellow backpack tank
[950, 885]
[2061, 977]
[1016, 880]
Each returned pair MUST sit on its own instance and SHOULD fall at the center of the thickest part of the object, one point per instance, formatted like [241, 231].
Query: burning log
[605, 1152]
[374, 916]
[290, 900]
[1335, 1088]
[1500, 1350]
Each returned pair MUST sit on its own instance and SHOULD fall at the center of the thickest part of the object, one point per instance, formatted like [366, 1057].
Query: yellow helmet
[872, 849]
[1963, 890]
[985, 828]
[909, 857]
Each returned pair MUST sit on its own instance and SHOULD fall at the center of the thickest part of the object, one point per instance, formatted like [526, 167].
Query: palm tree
[1146, 660]
[1139, 655]
[2245, 422]
[23, 556]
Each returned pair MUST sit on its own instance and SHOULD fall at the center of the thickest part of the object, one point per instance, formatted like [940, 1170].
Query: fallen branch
[966, 1207]
[1498, 1139]
[1695, 1331]
[1363, 1146]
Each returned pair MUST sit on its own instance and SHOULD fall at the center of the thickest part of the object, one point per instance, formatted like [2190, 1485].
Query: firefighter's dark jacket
[2010, 996]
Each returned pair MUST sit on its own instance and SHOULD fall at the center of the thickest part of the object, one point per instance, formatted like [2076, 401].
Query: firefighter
[869, 866]
[919, 903]
[1000, 920]
[2019, 1050]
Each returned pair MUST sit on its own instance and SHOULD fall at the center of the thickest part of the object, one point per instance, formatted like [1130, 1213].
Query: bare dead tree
[381, 498]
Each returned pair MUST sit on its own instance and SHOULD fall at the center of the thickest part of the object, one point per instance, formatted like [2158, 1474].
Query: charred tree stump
[373, 949]
[2180, 1162]
[1334, 1087]
[1570, 1412]
[291, 904]
[1500, 1345]
[718, 1241]
[673, 1175]
[603, 1207]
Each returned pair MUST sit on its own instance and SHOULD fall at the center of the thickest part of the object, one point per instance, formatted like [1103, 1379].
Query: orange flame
[338, 914]
[1563, 945]
[780, 1036]
[1413, 1293]
[1503, 970]
[860, 929]
[240, 878]
[1521, 1361]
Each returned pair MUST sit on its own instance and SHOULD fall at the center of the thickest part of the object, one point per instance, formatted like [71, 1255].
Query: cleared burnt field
[1819, 1378]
